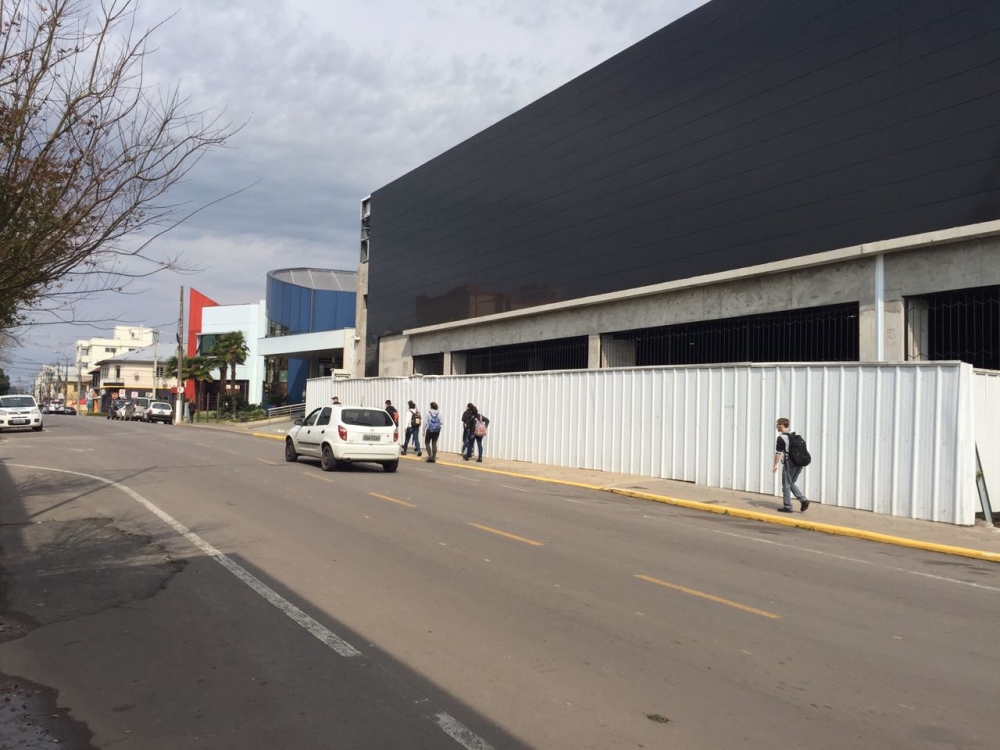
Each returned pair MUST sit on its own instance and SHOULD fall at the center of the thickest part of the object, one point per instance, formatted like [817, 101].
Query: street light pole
[180, 363]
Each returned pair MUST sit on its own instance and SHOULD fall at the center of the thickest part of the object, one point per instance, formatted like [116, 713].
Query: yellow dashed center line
[711, 598]
[392, 500]
[317, 476]
[515, 537]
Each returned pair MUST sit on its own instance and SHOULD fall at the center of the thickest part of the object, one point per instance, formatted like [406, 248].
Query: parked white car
[20, 412]
[159, 411]
[341, 434]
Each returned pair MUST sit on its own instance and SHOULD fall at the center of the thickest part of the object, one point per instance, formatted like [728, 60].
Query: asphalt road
[474, 609]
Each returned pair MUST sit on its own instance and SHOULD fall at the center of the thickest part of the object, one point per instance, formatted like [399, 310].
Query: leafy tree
[4, 383]
[198, 369]
[229, 351]
[88, 150]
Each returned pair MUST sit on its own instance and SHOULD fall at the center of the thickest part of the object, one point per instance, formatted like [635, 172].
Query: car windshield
[14, 401]
[160, 405]
[366, 417]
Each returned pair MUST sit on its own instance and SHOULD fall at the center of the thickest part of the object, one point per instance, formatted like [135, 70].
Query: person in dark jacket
[468, 425]
[475, 430]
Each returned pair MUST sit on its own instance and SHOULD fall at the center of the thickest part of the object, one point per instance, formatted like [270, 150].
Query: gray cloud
[341, 99]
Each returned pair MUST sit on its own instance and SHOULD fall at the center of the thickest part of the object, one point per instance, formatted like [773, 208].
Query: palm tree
[230, 349]
[198, 369]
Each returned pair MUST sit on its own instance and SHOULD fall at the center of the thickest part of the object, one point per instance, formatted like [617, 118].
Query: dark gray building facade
[748, 132]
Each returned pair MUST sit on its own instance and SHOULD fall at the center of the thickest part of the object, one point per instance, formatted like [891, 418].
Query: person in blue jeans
[789, 470]
[412, 428]
[475, 430]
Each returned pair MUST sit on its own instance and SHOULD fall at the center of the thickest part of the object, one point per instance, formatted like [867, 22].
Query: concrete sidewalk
[981, 541]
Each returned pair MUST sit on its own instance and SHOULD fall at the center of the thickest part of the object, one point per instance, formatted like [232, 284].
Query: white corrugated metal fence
[895, 439]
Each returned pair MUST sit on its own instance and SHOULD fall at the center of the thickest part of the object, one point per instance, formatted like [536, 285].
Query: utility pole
[79, 386]
[156, 380]
[180, 363]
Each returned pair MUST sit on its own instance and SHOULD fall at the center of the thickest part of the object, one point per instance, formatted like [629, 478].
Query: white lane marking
[509, 487]
[321, 633]
[467, 479]
[845, 558]
[461, 733]
[448, 724]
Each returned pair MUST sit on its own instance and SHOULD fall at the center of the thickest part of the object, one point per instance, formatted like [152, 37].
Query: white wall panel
[896, 439]
[986, 408]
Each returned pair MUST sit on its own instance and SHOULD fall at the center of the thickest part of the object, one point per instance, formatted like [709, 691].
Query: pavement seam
[748, 515]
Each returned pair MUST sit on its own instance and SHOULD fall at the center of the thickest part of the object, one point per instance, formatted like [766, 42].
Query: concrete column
[594, 352]
[446, 367]
[917, 339]
[894, 338]
[617, 353]
[457, 364]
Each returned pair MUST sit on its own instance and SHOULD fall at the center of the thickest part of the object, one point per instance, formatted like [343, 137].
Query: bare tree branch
[88, 151]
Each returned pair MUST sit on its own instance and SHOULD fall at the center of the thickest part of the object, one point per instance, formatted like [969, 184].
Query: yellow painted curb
[750, 515]
[824, 528]
[267, 435]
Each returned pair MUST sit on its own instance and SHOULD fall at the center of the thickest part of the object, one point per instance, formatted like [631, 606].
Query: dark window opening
[428, 364]
[557, 354]
[965, 325]
[818, 334]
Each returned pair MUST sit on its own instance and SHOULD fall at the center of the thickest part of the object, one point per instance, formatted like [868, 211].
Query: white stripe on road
[448, 724]
[461, 733]
[323, 634]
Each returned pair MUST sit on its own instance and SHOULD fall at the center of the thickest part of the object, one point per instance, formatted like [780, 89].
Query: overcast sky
[342, 98]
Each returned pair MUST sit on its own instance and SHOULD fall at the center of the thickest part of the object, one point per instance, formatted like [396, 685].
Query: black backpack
[798, 454]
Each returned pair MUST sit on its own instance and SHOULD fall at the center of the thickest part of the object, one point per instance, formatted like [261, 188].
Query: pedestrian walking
[468, 425]
[476, 425]
[335, 401]
[432, 431]
[392, 412]
[412, 428]
[791, 453]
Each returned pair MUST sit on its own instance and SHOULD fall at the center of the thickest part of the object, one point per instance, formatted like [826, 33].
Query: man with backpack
[392, 412]
[412, 429]
[475, 429]
[790, 451]
[432, 431]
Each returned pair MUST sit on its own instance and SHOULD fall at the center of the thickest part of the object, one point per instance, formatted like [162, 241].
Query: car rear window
[14, 401]
[160, 405]
[366, 417]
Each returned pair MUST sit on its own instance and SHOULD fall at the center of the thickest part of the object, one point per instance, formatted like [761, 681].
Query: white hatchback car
[340, 434]
[20, 412]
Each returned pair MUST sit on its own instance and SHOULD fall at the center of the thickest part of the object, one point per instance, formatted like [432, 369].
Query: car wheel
[290, 454]
[327, 461]
[37, 429]
[391, 466]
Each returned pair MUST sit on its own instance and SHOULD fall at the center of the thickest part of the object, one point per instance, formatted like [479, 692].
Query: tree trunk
[232, 379]
[222, 385]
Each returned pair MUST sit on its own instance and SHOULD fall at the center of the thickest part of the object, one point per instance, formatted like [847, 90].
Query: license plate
[19, 421]
[371, 438]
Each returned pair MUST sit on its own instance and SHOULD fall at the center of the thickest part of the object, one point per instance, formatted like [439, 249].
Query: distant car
[20, 412]
[340, 434]
[137, 409]
[118, 409]
[159, 411]
[68, 410]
